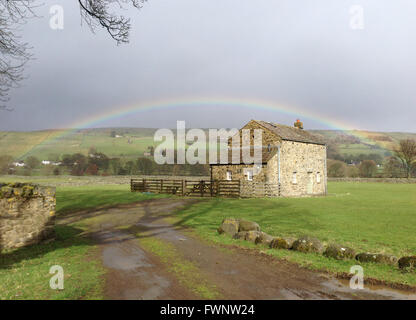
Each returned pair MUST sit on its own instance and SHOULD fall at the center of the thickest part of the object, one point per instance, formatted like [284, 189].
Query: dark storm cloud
[300, 53]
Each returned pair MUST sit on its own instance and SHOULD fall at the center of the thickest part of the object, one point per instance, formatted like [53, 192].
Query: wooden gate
[228, 188]
[157, 186]
[201, 188]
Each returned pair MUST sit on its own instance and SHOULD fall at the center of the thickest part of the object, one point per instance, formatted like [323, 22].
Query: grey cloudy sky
[297, 52]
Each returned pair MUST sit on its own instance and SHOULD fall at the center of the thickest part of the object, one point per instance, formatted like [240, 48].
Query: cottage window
[250, 175]
[229, 175]
[318, 177]
[294, 180]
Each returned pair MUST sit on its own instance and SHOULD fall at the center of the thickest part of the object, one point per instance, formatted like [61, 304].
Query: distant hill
[133, 142]
[363, 142]
[115, 142]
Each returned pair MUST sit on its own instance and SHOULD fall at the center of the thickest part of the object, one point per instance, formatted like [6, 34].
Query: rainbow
[134, 108]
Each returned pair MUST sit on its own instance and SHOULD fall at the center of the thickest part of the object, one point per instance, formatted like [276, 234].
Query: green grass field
[373, 217]
[69, 199]
[42, 144]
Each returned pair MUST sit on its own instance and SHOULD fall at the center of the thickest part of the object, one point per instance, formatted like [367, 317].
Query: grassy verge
[185, 271]
[371, 217]
[24, 273]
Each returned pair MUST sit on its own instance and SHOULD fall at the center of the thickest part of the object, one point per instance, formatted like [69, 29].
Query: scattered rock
[407, 263]
[252, 235]
[339, 252]
[240, 235]
[376, 258]
[248, 226]
[264, 238]
[282, 243]
[366, 257]
[308, 244]
[386, 259]
[229, 226]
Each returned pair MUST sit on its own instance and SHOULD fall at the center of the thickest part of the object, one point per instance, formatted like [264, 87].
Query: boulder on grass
[366, 257]
[308, 244]
[386, 259]
[229, 226]
[376, 258]
[241, 235]
[407, 263]
[248, 226]
[282, 243]
[252, 235]
[264, 238]
[339, 252]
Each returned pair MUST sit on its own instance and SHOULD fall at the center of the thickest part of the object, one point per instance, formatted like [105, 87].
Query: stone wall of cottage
[272, 170]
[27, 214]
[308, 162]
[267, 136]
[219, 172]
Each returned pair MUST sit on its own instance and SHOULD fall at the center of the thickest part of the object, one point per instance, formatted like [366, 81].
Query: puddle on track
[388, 293]
[122, 255]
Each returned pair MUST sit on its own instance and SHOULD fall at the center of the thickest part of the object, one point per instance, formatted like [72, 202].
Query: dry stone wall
[27, 214]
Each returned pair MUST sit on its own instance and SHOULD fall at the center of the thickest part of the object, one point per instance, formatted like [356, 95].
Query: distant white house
[19, 164]
[50, 163]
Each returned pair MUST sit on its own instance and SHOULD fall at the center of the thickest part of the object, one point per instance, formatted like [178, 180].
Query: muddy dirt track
[236, 273]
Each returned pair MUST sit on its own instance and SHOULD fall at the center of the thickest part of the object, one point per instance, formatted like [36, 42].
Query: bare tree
[97, 13]
[367, 169]
[14, 53]
[406, 152]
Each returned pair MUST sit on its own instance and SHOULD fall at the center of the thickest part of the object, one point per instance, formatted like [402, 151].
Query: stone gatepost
[27, 214]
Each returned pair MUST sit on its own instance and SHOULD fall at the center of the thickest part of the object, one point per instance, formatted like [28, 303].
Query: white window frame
[229, 175]
[318, 177]
[249, 175]
[294, 178]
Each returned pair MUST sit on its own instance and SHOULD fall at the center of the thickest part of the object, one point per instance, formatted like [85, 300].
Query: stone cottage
[293, 163]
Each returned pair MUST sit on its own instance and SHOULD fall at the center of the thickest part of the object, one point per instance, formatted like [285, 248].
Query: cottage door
[309, 189]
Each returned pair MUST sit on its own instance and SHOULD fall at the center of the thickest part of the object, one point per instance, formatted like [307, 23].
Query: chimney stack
[298, 124]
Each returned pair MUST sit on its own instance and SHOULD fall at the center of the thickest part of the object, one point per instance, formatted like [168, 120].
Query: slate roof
[291, 133]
